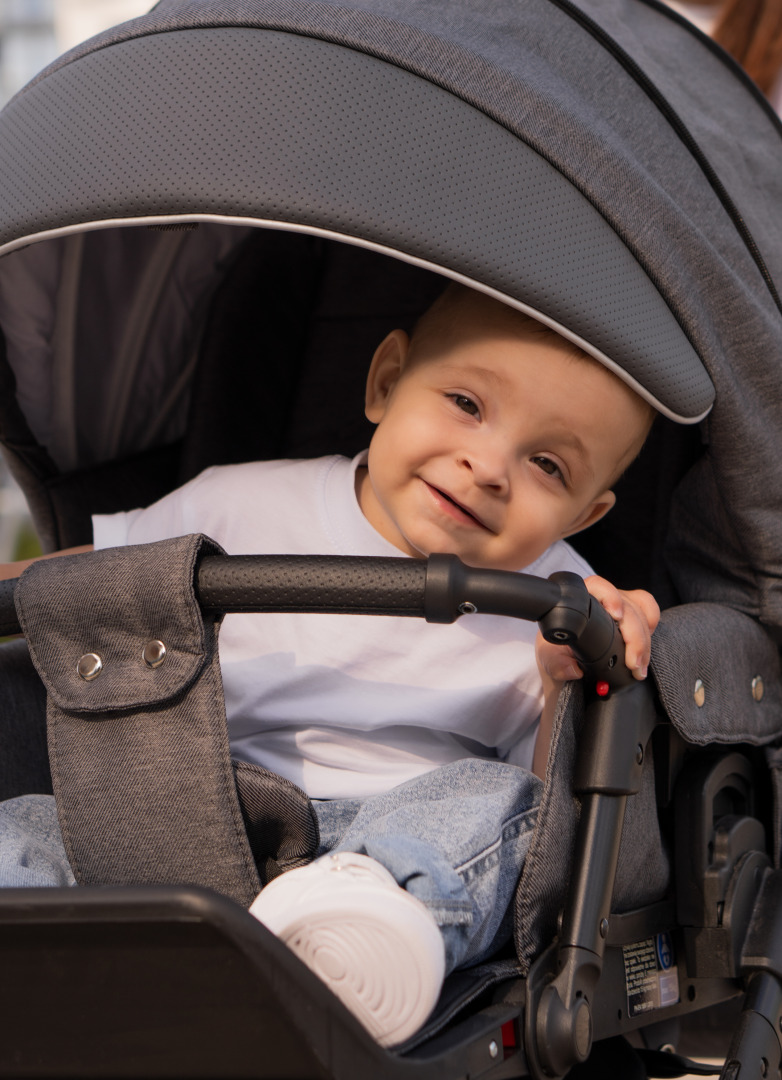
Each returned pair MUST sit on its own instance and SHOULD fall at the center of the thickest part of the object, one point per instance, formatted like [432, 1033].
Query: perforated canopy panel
[287, 129]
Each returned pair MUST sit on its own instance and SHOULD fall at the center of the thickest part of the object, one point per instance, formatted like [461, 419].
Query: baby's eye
[464, 403]
[549, 467]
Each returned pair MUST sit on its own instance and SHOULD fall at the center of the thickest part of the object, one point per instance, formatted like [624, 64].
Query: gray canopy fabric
[597, 163]
[306, 133]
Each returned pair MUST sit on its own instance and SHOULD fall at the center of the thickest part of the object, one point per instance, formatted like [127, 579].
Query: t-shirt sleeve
[579, 564]
[560, 556]
[163, 520]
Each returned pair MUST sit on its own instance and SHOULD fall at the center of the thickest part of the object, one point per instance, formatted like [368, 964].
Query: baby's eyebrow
[486, 373]
[573, 440]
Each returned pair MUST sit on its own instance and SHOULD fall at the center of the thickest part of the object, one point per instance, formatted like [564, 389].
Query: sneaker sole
[379, 974]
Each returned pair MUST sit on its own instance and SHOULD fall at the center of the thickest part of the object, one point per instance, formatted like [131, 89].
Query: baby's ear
[384, 371]
[596, 510]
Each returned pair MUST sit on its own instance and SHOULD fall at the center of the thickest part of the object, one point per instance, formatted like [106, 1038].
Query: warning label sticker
[651, 974]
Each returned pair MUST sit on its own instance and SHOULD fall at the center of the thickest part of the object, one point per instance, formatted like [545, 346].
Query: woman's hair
[751, 31]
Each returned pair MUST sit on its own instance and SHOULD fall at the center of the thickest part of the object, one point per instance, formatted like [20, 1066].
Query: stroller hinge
[563, 1025]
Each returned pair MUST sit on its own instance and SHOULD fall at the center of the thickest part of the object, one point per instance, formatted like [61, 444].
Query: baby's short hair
[458, 301]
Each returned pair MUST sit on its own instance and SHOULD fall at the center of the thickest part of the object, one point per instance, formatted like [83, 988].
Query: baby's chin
[513, 564]
[511, 561]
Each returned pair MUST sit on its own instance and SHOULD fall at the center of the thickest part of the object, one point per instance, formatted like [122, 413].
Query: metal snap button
[89, 666]
[758, 689]
[154, 653]
[699, 693]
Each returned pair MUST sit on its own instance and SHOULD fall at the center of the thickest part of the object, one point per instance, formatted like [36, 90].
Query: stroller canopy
[597, 164]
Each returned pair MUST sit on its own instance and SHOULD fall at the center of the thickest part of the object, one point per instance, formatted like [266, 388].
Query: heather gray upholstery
[139, 755]
[531, 234]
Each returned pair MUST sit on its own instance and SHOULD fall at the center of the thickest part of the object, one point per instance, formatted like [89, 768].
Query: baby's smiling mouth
[445, 497]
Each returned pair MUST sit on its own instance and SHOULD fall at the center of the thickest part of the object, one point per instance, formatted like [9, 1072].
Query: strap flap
[115, 629]
[718, 674]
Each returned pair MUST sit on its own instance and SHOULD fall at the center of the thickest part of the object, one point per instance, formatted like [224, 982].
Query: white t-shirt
[347, 705]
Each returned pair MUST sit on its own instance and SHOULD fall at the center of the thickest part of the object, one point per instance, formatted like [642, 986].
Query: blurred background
[32, 33]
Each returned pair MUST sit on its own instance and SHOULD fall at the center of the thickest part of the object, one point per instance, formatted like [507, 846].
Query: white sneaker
[373, 944]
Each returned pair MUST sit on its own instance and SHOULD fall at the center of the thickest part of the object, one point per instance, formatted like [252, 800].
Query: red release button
[602, 689]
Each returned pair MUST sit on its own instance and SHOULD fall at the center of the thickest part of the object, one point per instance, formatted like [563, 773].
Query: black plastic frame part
[194, 987]
[180, 982]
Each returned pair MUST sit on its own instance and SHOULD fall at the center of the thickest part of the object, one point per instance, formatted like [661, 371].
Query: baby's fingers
[636, 613]
[638, 640]
[556, 661]
[609, 596]
[647, 605]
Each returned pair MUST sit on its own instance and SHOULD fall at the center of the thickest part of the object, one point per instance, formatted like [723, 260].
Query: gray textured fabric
[726, 652]
[338, 126]
[643, 871]
[139, 756]
[281, 824]
[24, 761]
[716, 550]
[774, 760]
[702, 83]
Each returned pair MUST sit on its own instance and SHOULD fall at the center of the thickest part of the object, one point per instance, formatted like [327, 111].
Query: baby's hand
[637, 614]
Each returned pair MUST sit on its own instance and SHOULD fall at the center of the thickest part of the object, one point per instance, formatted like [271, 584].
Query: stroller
[223, 201]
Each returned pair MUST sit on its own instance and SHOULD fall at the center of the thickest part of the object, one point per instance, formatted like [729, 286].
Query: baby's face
[493, 446]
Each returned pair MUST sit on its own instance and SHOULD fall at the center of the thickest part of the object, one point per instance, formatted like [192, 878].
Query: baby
[421, 746]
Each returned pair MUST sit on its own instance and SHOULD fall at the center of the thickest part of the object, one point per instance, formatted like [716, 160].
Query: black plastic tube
[439, 589]
[454, 589]
[329, 584]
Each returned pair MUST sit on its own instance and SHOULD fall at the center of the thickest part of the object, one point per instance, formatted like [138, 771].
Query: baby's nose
[489, 470]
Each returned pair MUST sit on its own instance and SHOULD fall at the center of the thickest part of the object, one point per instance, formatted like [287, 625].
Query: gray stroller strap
[137, 734]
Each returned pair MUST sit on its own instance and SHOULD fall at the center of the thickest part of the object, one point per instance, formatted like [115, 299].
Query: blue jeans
[31, 848]
[455, 838]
